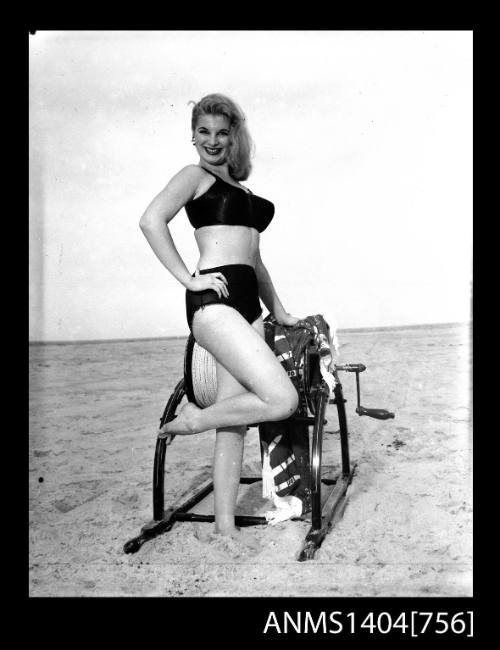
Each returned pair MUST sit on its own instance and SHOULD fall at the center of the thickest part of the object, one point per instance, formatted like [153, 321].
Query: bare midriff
[220, 245]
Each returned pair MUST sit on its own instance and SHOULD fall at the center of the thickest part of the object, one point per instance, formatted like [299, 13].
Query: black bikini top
[226, 204]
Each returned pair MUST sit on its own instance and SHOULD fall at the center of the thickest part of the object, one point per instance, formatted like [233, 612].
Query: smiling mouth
[213, 151]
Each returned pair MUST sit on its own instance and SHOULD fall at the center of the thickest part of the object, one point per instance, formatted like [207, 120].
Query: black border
[241, 618]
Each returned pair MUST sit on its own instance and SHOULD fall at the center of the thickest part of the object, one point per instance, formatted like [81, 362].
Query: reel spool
[200, 374]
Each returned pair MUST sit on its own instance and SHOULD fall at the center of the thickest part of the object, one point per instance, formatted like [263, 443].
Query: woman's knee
[282, 404]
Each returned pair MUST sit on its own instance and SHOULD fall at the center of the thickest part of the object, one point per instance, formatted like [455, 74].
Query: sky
[363, 143]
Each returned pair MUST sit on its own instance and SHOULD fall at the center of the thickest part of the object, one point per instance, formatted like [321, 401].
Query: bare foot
[184, 423]
[231, 541]
[247, 541]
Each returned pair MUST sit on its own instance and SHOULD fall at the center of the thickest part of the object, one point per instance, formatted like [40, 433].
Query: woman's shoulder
[192, 181]
[187, 180]
[191, 172]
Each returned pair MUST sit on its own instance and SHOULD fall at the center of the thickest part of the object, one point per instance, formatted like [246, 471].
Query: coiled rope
[204, 376]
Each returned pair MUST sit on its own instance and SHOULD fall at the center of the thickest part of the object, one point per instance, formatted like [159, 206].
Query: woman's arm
[269, 297]
[162, 209]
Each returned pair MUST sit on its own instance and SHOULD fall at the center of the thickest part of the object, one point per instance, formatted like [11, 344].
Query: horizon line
[185, 336]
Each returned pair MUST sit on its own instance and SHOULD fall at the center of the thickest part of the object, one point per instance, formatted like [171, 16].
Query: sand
[406, 529]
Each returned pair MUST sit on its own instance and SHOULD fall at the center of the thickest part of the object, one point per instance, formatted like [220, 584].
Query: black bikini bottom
[243, 293]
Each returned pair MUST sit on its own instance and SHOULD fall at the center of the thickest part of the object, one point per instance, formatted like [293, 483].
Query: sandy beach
[407, 525]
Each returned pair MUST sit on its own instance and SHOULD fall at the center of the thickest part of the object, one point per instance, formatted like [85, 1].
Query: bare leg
[228, 457]
[242, 351]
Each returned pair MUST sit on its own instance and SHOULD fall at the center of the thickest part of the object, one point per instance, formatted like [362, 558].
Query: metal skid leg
[323, 519]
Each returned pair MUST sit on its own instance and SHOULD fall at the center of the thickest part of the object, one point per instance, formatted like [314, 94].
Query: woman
[230, 277]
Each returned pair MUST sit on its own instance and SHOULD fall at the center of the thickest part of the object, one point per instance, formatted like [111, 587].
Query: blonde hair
[241, 143]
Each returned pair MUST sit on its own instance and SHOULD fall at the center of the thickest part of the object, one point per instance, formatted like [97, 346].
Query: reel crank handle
[379, 414]
[351, 367]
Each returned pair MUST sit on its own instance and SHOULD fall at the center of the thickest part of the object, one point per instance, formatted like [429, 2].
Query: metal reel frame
[322, 518]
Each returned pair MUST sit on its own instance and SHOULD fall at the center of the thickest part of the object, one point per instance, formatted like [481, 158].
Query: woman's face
[212, 139]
